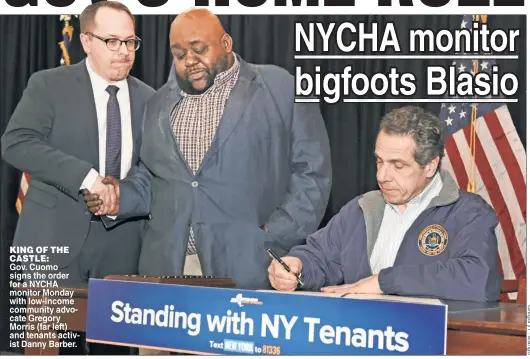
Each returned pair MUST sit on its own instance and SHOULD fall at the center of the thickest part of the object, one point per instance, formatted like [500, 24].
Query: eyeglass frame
[106, 41]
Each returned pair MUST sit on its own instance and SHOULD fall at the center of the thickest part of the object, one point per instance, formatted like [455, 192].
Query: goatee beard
[186, 85]
[188, 88]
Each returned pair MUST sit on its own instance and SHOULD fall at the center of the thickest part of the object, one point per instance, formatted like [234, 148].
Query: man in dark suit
[230, 164]
[73, 126]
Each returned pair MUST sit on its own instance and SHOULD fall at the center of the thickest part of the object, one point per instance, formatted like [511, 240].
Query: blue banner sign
[230, 321]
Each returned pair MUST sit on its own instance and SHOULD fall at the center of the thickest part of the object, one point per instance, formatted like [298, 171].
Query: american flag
[64, 45]
[485, 155]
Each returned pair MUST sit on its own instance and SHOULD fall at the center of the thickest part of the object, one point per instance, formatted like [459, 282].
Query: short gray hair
[425, 129]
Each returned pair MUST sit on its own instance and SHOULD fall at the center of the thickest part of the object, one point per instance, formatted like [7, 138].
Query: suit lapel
[164, 119]
[137, 104]
[234, 109]
[86, 109]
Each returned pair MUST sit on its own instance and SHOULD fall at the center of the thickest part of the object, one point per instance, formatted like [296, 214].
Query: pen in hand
[277, 258]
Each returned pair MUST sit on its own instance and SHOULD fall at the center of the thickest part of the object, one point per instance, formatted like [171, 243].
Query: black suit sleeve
[25, 142]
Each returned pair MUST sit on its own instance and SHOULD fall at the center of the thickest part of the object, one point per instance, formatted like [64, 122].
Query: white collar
[425, 197]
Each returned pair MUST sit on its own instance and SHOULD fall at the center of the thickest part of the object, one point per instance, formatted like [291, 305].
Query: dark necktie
[113, 155]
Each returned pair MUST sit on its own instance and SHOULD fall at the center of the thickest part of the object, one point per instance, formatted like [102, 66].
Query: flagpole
[471, 184]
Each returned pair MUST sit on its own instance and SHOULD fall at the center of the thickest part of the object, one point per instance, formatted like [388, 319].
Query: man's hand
[281, 279]
[92, 200]
[104, 197]
[369, 285]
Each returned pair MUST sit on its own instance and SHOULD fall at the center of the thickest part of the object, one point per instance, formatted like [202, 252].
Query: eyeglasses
[114, 44]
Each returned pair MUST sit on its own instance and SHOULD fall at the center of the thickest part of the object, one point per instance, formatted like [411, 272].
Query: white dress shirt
[395, 224]
[101, 97]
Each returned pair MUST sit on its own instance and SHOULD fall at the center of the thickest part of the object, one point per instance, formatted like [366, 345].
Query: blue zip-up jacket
[449, 252]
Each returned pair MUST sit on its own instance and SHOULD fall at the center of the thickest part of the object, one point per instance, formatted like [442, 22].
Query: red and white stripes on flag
[24, 183]
[500, 174]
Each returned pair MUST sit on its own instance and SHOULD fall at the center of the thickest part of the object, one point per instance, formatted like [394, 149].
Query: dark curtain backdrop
[29, 44]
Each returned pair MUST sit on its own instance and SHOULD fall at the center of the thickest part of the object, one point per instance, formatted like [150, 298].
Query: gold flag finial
[481, 18]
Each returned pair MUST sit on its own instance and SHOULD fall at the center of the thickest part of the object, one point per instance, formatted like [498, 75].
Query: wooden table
[486, 329]
[472, 329]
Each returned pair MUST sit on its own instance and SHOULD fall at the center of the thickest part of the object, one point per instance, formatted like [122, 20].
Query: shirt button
[194, 184]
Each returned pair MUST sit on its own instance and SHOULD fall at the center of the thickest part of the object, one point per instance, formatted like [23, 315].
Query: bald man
[230, 164]
[205, 36]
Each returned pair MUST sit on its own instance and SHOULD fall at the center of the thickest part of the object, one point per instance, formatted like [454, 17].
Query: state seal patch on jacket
[432, 240]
